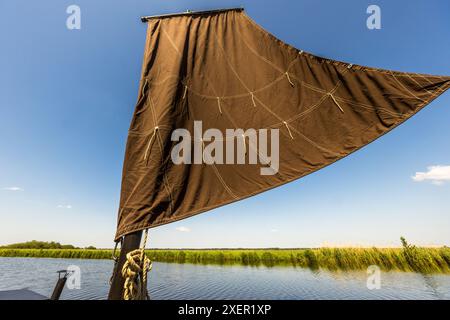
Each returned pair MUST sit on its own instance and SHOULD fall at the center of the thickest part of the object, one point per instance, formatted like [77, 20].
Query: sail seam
[170, 40]
[404, 87]
[161, 144]
[420, 86]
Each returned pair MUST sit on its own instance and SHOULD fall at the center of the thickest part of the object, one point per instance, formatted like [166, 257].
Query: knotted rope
[134, 271]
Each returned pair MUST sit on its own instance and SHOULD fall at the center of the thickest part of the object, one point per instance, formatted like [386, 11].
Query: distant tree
[91, 248]
[67, 246]
[34, 244]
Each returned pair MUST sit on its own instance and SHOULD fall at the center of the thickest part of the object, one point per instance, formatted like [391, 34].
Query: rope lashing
[218, 104]
[253, 99]
[185, 91]
[335, 101]
[289, 79]
[300, 52]
[289, 130]
[350, 66]
[134, 271]
[150, 142]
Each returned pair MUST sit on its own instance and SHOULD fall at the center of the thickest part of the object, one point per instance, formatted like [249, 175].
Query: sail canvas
[222, 71]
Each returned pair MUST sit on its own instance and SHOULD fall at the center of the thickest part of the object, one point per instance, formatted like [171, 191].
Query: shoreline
[423, 260]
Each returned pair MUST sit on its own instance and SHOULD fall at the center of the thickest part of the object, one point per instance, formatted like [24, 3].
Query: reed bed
[57, 253]
[424, 260]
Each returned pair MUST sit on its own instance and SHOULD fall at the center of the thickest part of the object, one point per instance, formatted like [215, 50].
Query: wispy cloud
[438, 175]
[273, 230]
[13, 189]
[65, 206]
[183, 229]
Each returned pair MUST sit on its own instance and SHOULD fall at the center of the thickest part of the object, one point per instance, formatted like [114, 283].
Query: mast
[130, 242]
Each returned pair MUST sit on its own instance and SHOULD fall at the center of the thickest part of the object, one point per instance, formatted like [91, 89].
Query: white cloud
[183, 229]
[273, 230]
[65, 206]
[436, 174]
[13, 189]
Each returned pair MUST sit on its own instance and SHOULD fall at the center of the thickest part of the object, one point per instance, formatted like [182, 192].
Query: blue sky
[67, 97]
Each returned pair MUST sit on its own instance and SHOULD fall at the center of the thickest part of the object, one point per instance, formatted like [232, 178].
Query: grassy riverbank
[408, 258]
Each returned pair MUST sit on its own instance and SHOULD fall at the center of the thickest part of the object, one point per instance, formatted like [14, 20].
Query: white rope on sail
[253, 99]
[150, 142]
[289, 79]
[218, 104]
[335, 101]
[289, 130]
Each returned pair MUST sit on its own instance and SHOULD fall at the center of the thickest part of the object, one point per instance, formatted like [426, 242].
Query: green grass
[408, 258]
[57, 253]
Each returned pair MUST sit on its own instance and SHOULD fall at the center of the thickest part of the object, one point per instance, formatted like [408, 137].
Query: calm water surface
[188, 281]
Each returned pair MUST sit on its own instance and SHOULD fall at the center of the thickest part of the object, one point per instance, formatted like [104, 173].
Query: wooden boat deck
[21, 294]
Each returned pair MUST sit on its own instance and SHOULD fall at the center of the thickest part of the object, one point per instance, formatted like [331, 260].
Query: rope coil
[134, 271]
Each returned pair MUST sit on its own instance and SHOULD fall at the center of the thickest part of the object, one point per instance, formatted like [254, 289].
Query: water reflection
[199, 281]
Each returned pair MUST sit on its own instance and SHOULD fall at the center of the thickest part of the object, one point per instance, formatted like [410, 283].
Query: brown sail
[224, 70]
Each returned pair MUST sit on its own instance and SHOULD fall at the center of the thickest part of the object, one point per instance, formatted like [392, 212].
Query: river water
[189, 281]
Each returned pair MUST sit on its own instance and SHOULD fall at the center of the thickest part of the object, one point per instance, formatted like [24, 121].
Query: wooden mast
[130, 242]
